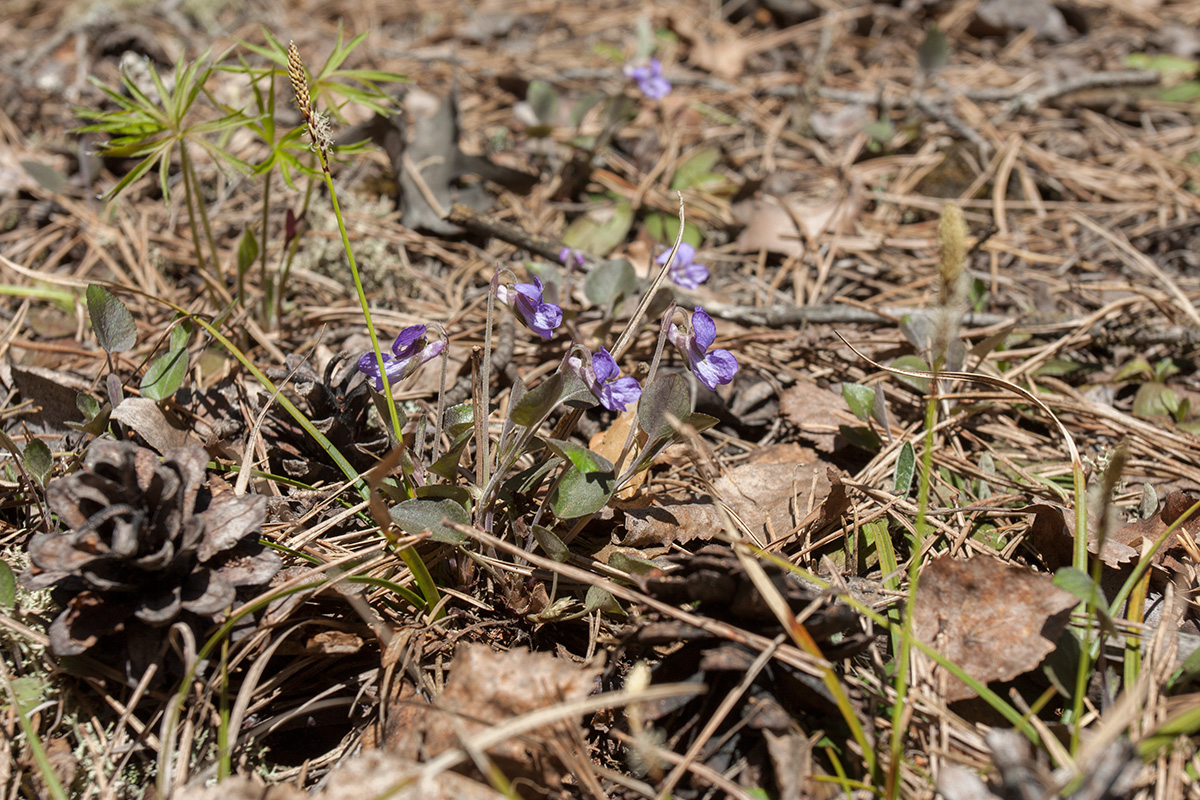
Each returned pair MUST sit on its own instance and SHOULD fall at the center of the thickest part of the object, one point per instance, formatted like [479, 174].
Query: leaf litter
[814, 150]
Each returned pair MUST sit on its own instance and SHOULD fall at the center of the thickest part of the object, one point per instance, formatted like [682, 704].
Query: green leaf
[906, 464]
[860, 399]
[666, 396]
[543, 100]
[913, 364]
[87, 405]
[1057, 366]
[587, 483]
[551, 544]
[459, 419]
[934, 52]
[700, 422]
[601, 229]
[1164, 369]
[8, 586]
[861, 437]
[111, 320]
[563, 387]
[165, 375]
[247, 251]
[420, 514]
[1149, 504]
[631, 564]
[38, 460]
[695, 172]
[1080, 584]
[1154, 399]
[47, 177]
[30, 691]
[610, 281]
[664, 228]
[598, 599]
[1137, 368]
[447, 464]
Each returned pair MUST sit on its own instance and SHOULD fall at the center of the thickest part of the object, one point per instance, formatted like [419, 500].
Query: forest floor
[932, 537]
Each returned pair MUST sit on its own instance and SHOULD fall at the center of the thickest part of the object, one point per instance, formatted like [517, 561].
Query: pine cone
[147, 545]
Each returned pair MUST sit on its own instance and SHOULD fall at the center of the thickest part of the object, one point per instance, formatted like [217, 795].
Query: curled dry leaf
[994, 620]
[1053, 536]
[1173, 554]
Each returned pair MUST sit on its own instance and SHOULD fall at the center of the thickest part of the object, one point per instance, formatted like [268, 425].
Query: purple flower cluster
[712, 368]
[601, 375]
[649, 79]
[410, 350]
[684, 270]
[526, 299]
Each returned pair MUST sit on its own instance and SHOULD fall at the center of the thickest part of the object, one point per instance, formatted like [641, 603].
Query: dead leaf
[994, 620]
[841, 124]
[611, 441]
[147, 418]
[375, 773]
[487, 687]
[814, 411]
[334, 643]
[1005, 16]
[761, 494]
[1173, 549]
[723, 53]
[768, 227]
[1053, 536]
[785, 224]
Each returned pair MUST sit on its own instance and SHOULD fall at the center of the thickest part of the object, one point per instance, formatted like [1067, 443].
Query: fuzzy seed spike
[299, 82]
[952, 236]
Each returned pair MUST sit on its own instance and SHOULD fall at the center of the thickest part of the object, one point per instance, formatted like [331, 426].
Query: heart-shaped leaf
[165, 375]
[587, 483]
[665, 397]
[860, 399]
[38, 460]
[420, 514]
[610, 282]
[111, 320]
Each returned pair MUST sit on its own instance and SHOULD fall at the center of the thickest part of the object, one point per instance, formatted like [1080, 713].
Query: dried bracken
[146, 545]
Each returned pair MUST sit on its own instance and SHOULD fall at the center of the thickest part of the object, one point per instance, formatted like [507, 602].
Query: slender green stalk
[904, 656]
[225, 759]
[189, 196]
[189, 170]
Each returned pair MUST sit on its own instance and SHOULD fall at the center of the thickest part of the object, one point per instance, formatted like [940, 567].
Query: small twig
[781, 315]
[472, 220]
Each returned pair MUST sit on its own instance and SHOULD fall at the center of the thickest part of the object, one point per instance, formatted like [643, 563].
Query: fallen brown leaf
[994, 620]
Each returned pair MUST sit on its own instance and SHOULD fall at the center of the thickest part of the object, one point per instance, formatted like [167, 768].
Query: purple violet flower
[569, 254]
[526, 299]
[712, 368]
[684, 272]
[614, 393]
[410, 350]
[650, 79]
